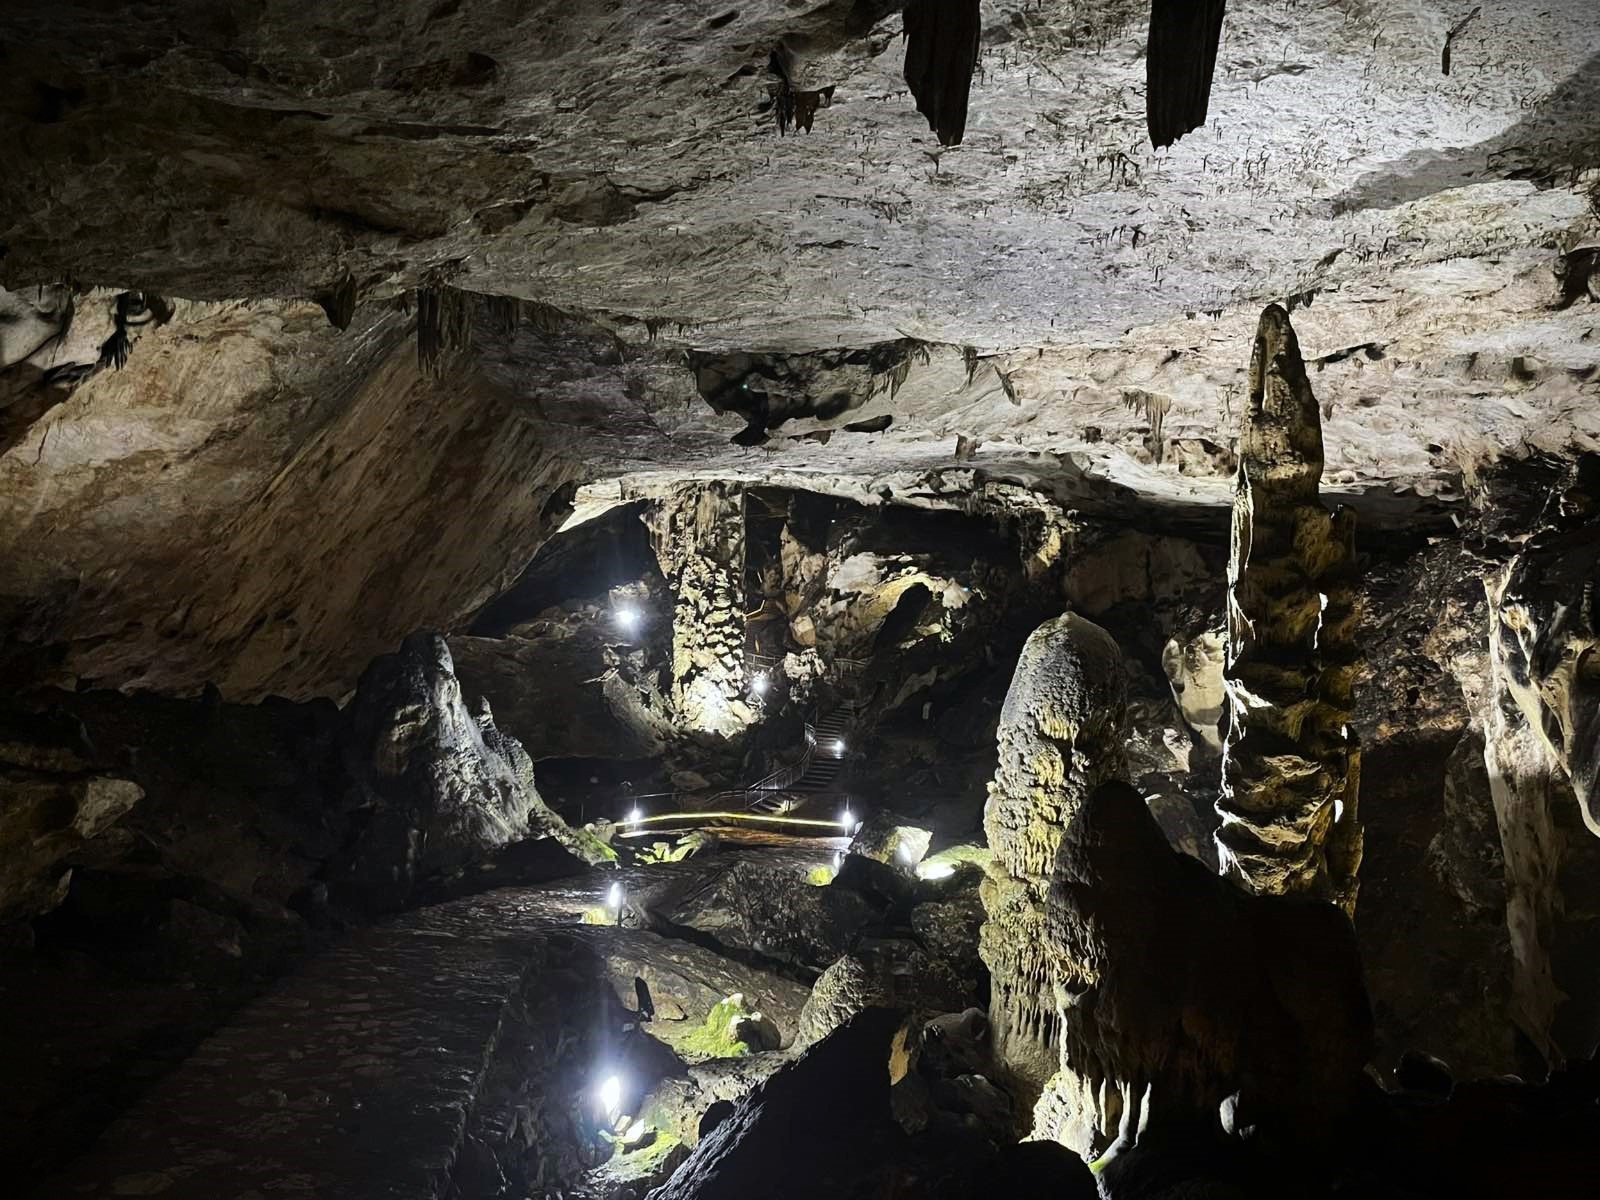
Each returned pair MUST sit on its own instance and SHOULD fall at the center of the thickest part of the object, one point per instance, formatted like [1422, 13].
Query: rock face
[287, 506]
[438, 787]
[1176, 990]
[1546, 642]
[54, 808]
[698, 532]
[1061, 734]
[825, 1119]
[1290, 767]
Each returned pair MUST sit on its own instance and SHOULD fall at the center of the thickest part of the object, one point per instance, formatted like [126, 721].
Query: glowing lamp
[635, 817]
[628, 618]
[611, 1096]
[847, 819]
[614, 896]
[838, 746]
[758, 686]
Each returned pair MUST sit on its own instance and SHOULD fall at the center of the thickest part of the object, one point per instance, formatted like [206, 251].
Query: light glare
[838, 746]
[611, 1094]
[847, 819]
[614, 896]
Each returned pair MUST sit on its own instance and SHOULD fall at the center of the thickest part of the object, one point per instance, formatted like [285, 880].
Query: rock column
[698, 532]
[1061, 734]
[1291, 767]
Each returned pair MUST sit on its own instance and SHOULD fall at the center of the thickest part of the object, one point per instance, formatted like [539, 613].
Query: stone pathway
[356, 1075]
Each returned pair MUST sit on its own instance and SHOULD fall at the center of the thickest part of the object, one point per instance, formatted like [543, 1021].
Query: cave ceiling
[1050, 307]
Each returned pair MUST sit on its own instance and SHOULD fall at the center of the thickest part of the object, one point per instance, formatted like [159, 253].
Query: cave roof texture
[260, 499]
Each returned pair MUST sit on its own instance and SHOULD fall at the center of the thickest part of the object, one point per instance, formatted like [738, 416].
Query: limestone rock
[1061, 734]
[769, 908]
[437, 788]
[844, 989]
[698, 534]
[1546, 636]
[1290, 768]
[1176, 990]
[1194, 670]
[825, 1118]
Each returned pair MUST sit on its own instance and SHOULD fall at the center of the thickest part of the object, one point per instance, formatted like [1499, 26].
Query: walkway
[355, 1077]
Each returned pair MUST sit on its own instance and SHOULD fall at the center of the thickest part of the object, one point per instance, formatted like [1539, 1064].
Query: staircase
[826, 751]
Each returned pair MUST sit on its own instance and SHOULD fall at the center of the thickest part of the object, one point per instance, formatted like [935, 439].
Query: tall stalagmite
[1291, 767]
[1061, 733]
[698, 532]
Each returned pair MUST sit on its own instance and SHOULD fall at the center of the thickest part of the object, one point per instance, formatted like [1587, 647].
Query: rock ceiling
[1072, 304]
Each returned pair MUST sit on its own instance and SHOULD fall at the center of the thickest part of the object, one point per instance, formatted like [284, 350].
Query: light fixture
[610, 1096]
[628, 618]
[758, 685]
[838, 746]
[847, 819]
[614, 896]
[634, 817]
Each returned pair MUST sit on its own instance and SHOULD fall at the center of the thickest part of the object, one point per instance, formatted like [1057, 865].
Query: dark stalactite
[941, 55]
[1178, 66]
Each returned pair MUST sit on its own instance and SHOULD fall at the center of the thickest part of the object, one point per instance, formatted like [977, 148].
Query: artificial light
[847, 819]
[628, 618]
[838, 746]
[614, 896]
[611, 1095]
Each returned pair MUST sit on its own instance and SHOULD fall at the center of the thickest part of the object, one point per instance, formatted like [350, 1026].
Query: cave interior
[827, 598]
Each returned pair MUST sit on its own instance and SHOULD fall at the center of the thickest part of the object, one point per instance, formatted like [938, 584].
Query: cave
[935, 600]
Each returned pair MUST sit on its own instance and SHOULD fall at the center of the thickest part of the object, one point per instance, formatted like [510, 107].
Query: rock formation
[1545, 639]
[1179, 64]
[1290, 768]
[826, 1118]
[1178, 991]
[435, 789]
[941, 55]
[1061, 734]
[698, 533]
[55, 808]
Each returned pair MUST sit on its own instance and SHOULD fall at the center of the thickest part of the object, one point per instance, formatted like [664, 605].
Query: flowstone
[1290, 766]
[1062, 730]
[698, 534]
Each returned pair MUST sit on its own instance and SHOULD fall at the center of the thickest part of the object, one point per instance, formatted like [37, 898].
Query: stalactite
[941, 55]
[1290, 771]
[444, 323]
[1179, 64]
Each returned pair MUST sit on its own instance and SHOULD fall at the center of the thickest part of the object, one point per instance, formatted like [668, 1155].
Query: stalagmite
[1290, 770]
[698, 533]
[1061, 734]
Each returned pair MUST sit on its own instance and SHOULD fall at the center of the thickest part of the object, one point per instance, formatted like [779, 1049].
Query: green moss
[714, 1038]
[820, 876]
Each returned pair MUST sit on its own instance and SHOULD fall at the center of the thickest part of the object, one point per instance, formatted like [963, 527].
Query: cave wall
[266, 517]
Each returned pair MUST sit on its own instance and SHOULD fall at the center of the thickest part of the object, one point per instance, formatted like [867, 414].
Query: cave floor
[359, 1073]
